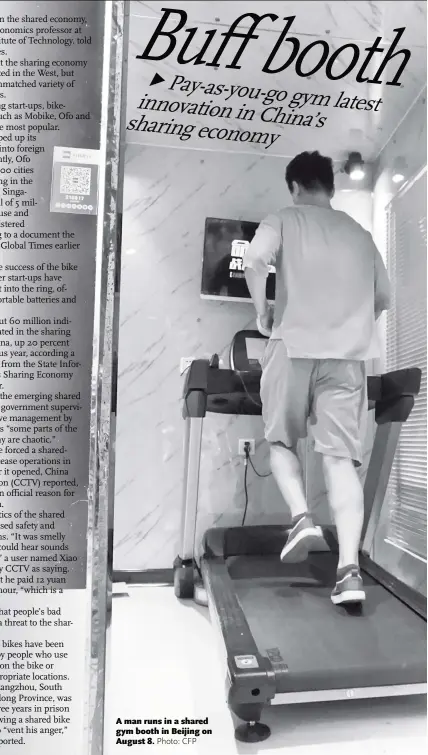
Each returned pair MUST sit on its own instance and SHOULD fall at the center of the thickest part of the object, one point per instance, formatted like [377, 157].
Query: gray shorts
[331, 393]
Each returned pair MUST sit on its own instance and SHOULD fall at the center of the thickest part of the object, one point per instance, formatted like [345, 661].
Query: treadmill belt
[291, 617]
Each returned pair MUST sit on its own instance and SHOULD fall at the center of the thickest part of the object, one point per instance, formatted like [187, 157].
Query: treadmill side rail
[377, 478]
[358, 693]
[252, 681]
[189, 510]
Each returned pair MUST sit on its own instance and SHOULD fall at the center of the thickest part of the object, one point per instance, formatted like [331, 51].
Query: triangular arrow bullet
[156, 79]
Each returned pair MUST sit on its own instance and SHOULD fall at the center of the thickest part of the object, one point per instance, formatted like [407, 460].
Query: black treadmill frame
[252, 679]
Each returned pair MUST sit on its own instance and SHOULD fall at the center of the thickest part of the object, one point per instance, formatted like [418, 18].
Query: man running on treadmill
[331, 286]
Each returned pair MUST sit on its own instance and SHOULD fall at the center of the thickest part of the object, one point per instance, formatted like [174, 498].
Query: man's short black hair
[312, 171]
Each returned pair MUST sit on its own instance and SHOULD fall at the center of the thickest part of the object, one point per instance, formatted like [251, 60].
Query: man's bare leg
[287, 472]
[346, 500]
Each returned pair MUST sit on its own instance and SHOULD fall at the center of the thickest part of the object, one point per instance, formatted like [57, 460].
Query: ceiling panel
[269, 131]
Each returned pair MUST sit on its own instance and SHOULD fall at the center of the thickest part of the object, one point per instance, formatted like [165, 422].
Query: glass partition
[400, 541]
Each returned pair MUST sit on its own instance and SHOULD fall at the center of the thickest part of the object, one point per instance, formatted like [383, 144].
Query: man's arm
[260, 254]
[257, 288]
[382, 291]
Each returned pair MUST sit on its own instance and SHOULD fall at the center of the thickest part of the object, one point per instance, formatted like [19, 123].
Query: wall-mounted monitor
[225, 244]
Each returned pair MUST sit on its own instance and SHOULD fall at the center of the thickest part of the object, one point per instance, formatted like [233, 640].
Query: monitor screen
[225, 244]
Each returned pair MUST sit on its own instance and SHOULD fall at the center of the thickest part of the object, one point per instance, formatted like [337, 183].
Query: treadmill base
[252, 732]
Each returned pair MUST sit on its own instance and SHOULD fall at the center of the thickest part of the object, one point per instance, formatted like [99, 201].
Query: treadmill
[282, 639]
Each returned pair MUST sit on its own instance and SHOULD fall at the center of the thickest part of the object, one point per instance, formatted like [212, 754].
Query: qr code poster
[75, 181]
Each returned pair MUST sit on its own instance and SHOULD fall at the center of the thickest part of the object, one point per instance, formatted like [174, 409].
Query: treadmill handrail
[226, 391]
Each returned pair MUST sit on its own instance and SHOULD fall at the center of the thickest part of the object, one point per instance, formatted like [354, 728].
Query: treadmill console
[246, 351]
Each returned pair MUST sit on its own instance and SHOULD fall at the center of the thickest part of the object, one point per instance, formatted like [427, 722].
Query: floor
[165, 664]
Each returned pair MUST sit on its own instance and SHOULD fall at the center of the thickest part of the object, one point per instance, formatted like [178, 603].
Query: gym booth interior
[207, 623]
